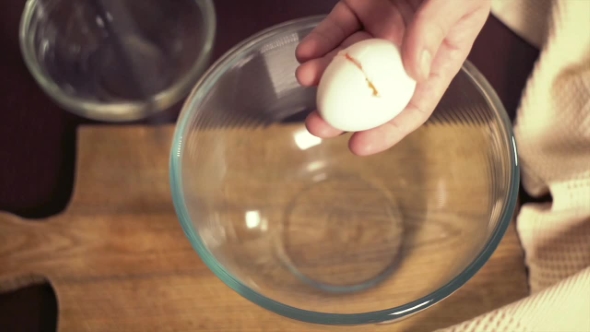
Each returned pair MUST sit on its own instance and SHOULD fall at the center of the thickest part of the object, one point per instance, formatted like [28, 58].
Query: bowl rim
[118, 111]
[382, 316]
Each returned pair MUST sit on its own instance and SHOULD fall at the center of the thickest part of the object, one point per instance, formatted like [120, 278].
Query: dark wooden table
[37, 138]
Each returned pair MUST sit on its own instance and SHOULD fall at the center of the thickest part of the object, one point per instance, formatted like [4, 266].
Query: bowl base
[341, 244]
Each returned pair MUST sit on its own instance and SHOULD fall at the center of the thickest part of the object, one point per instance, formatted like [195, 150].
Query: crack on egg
[357, 64]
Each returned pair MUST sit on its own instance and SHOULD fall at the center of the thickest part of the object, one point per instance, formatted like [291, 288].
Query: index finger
[337, 26]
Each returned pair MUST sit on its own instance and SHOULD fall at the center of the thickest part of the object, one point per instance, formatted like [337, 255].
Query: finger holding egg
[320, 128]
[426, 96]
[310, 72]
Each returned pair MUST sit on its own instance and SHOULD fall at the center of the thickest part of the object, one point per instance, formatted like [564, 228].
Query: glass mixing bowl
[120, 60]
[301, 226]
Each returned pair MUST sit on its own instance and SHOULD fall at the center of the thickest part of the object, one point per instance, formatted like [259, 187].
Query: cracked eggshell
[364, 86]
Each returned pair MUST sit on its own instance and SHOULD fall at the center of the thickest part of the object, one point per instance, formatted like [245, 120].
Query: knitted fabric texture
[552, 131]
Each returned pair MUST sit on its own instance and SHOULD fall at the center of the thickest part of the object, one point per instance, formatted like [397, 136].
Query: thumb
[428, 29]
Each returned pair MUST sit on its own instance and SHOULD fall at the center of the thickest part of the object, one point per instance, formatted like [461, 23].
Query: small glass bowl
[117, 61]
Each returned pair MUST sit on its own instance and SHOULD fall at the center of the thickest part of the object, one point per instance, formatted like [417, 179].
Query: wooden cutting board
[119, 261]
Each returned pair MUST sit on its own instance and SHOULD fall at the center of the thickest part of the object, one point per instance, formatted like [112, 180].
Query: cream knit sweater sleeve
[552, 131]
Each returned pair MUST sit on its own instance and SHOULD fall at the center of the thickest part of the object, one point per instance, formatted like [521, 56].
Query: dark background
[37, 138]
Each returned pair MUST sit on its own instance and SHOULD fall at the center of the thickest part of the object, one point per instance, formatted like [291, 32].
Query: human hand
[435, 38]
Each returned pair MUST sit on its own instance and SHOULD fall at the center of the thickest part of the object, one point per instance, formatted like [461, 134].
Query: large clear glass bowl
[301, 226]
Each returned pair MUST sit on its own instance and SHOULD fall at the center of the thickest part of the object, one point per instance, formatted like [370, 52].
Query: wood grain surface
[119, 260]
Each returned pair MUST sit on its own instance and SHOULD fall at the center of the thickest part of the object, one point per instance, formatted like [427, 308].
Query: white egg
[364, 86]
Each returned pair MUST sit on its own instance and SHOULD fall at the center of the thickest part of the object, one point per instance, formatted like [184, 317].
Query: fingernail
[425, 60]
